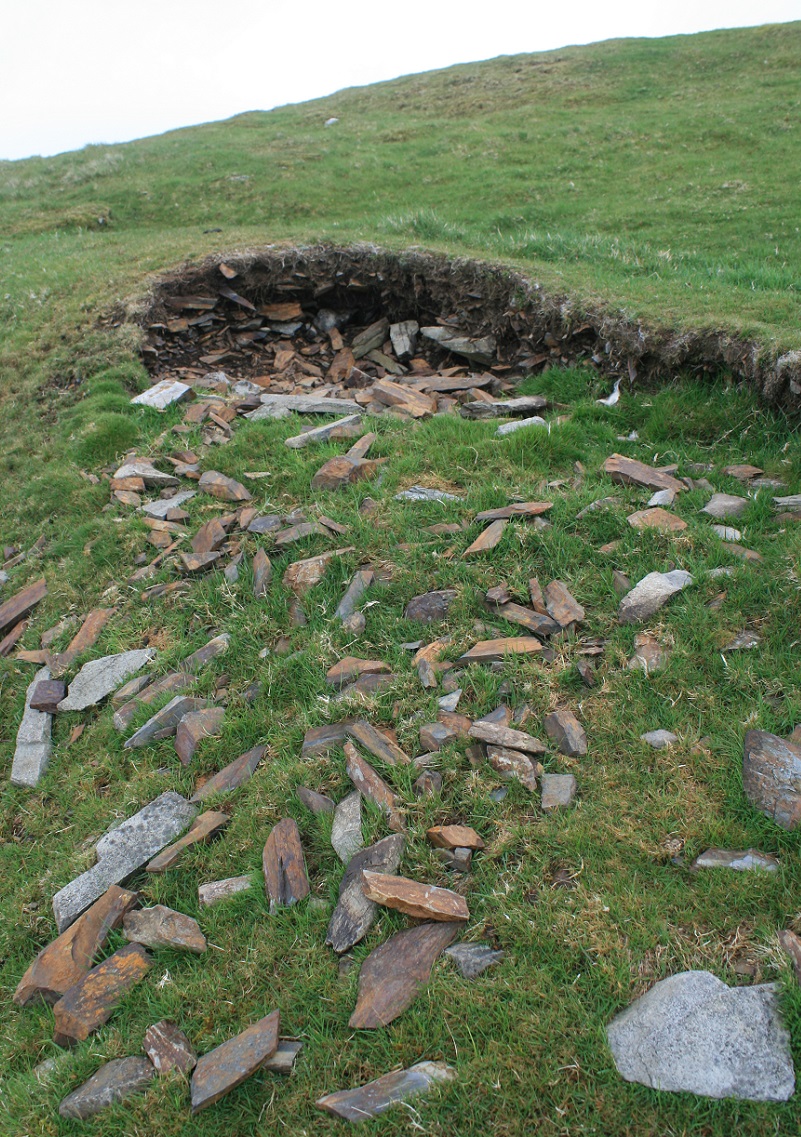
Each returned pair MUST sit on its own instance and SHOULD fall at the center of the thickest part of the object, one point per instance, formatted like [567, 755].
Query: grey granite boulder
[692, 1033]
[772, 776]
[34, 744]
[650, 594]
[122, 851]
[113, 1082]
[100, 677]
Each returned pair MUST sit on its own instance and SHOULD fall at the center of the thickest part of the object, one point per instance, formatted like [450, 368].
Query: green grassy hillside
[654, 179]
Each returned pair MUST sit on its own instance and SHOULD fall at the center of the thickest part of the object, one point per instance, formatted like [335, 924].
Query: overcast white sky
[74, 72]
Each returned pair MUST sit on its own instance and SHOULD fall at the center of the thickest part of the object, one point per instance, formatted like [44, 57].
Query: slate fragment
[223, 488]
[161, 927]
[285, 878]
[376, 1097]
[454, 837]
[153, 690]
[114, 1082]
[91, 1002]
[497, 735]
[377, 743]
[232, 776]
[351, 668]
[164, 722]
[373, 787]
[193, 728]
[473, 959]
[430, 606]
[317, 803]
[566, 731]
[772, 777]
[739, 860]
[393, 975]
[561, 605]
[216, 890]
[354, 914]
[488, 539]
[17, 607]
[47, 694]
[34, 744]
[422, 901]
[100, 677]
[232, 1063]
[628, 471]
[202, 829]
[359, 583]
[650, 594]
[122, 851]
[68, 958]
[494, 651]
[558, 791]
[346, 829]
[168, 1048]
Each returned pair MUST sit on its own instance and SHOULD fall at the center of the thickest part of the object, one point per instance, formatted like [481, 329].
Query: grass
[683, 167]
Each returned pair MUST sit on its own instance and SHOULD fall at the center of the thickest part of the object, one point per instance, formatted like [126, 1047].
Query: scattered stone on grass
[161, 927]
[114, 1082]
[167, 684]
[429, 782]
[301, 576]
[47, 694]
[164, 723]
[494, 651]
[659, 739]
[424, 493]
[232, 776]
[454, 837]
[650, 594]
[656, 518]
[378, 744]
[374, 1098]
[507, 428]
[487, 540]
[159, 509]
[69, 958]
[373, 787]
[323, 433]
[473, 959]
[430, 606]
[497, 735]
[346, 829]
[285, 878]
[727, 533]
[359, 583]
[694, 1034]
[792, 945]
[743, 641]
[142, 468]
[649, 654]
[223, 488]
[422, 901]
[122, 851]
[34, 743]
[169, 1049]
[772, 777]
[558, 791]
[202, 829]
[662, 497]
[355, 913]
[193, 728]
[724, 505]
[100, 677]
[628, 471]
[525, 406]
[85, 1007]
[317, 803]
[86, 637]
[743, 473]
[512, 765]
[740, 861]
[393, 975]
[262, 573]
[232, 1063]
[563, 728]
[216, 890]
[561, 605]
[744, 554]
[17, 607]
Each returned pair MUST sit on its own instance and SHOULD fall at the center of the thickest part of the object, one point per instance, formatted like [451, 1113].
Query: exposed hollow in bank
[531, 329]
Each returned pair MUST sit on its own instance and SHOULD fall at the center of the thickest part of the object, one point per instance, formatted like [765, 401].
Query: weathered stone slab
[90, 1003]
[303, 405]
[425, 493]
[17, 607]
[558, 791]
[162, 395]
[317, 803]
[285, 878]
[561, 605]
[422, 901]
[100, 677]
[525, 406]
[69, 957]
[142, 468]
[377, 743]
[473, 959]
[216, 890]
[373, 787]
[47, 694]
[114, 1082]
[656, 518]
[659, 739]
[350, 668]
[169, 1049]
[477, 350]
[532, 621]
[164, 722]
[232, 1063]
[628, 471]
[34, 743]
[394, 974]
[322, 433]
[354, 914]
[232, 776]
[215, 647]
[222, 487]
[694, 1034]
[740, 861]
[87, 637]
[566, 731]
[724, 505]
[320, 739]
[202, 829]
[454, 837]
[650, 594]
[122, 851]
[487, 540]
[153, 690]
[360, 582]
[346, 830]
[161, 927]
[430, 606]
[193, 728]
[376, 1097]
[498, 735]
[303, 575]
[512, 765]
[772, 777]
[159, 509]
[649, 654]
[493, 651]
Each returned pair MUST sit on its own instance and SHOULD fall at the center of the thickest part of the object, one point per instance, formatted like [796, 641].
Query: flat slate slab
[393, 975]
[34, 743]
[743, 860]
[91, 1002]
[346, 829]
[161, 927]
[159, 509]
[113, 1082]
[162, 395]
[650, 594]
[376, 1097]
[772, 776]
[165, 721]
[69, 957]
[692, 1033]
[123, 851]
[473, 959]
[232, 1063]
[168, 1048]
[354, 914]
[232, 776]
[100, 677]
